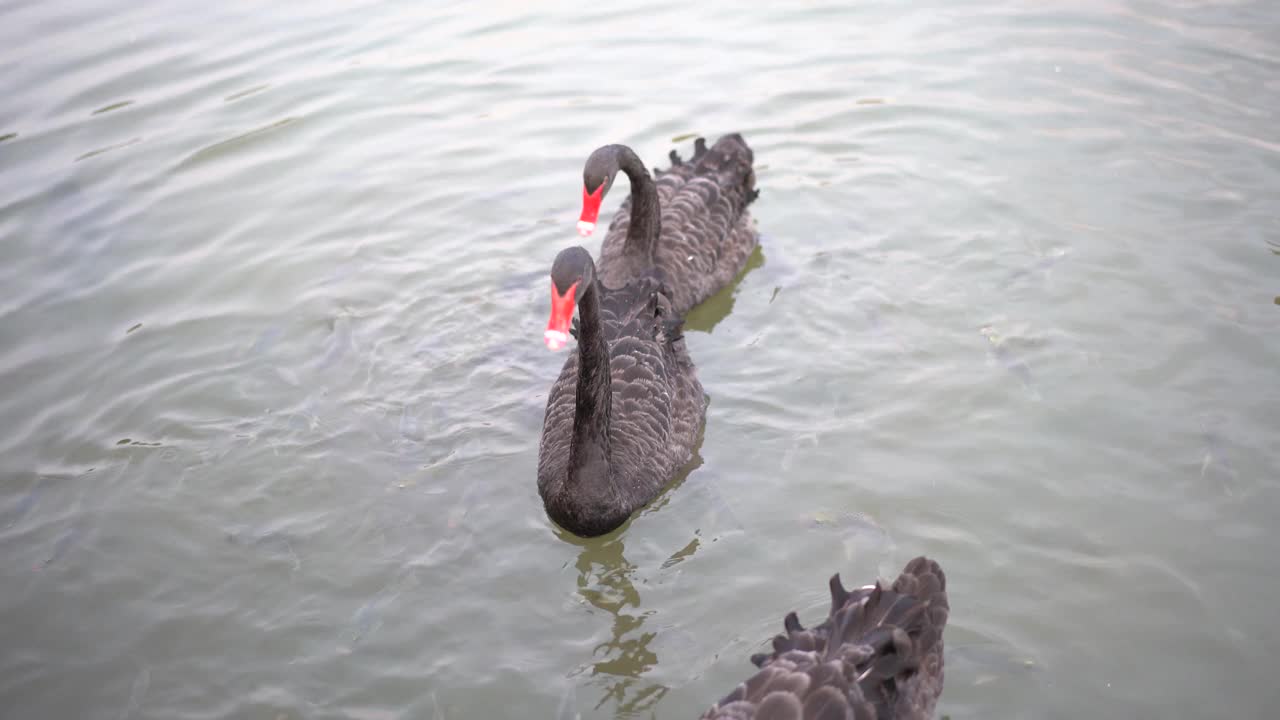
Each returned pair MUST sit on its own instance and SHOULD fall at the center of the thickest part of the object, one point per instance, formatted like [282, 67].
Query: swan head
[572, 272]
[597, 177]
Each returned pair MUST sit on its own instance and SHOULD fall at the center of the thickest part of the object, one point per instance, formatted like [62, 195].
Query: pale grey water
[272, 371]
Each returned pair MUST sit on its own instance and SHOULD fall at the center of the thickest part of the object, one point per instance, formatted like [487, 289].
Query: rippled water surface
[272, 373]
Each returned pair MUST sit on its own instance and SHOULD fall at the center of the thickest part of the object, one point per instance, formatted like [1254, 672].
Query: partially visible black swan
[690, 229]
[877, 656]
[624, 414]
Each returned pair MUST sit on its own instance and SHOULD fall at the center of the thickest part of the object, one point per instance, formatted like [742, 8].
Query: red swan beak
[590, 209]
[557, 334]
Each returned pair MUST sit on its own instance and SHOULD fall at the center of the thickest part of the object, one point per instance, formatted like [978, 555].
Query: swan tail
[886, 640]
[730, 162]
[676, 164]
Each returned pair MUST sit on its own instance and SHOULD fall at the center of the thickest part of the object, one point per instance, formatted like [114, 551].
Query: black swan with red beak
[877, 656]
[689, 229]
[624, 415]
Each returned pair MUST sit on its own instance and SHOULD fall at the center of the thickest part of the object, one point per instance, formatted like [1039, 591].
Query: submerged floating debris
[1041, 266]
[1214, 457]
[64, 543]
[1012, 362]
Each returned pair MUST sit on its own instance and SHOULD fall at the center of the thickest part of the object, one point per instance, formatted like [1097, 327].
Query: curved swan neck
[589, 448]
[646, 223]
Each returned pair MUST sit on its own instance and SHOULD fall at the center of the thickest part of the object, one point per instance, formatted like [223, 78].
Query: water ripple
[273, 374]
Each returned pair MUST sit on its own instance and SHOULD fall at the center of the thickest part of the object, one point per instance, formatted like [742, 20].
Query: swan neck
[645, 225]
[589, 448]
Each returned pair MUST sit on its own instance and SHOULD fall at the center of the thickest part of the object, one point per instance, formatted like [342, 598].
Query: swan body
[877, 656]
[624, 414]
[690, 229]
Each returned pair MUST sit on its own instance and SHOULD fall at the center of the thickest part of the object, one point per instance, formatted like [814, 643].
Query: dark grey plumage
[877, 656]
[624, 414]
[705, 233]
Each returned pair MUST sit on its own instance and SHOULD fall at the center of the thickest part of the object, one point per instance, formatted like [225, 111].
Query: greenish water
[272, 372]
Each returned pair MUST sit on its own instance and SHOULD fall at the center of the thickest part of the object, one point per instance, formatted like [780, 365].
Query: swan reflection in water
[623, 665]
[620, 662]
[711, 311]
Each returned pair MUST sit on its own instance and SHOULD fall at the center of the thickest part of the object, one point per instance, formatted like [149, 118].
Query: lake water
[271, 353]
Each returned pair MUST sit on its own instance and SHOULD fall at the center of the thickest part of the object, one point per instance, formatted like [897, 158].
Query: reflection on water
[706, 316]
[605, 581]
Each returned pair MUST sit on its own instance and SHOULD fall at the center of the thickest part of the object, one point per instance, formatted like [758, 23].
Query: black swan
[690, 228]
[877, 656]
[624, 414]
